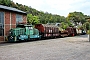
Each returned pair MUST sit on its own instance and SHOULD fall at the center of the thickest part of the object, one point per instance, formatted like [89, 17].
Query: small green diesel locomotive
[22, 33]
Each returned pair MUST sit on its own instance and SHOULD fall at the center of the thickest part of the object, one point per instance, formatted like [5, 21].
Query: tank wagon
[47, 31]
[23, 32]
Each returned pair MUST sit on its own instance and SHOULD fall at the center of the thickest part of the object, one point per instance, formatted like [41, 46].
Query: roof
[11, 9]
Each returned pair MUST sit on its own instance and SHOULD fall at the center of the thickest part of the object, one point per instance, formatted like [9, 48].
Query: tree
[64, 25]
[86, 25]
[76, 17]
[32, 19]
[5, 2]
[14, 5]
[45, 17]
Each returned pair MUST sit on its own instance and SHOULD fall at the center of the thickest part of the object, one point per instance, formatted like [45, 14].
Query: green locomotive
[23, 32]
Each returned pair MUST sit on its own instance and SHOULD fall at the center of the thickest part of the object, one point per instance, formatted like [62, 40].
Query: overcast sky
[60, 7]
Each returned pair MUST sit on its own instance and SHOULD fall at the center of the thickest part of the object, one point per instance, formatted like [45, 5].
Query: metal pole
[89, 37]
[89, 33]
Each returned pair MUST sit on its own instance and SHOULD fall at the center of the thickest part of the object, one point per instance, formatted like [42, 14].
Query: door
[1, 23]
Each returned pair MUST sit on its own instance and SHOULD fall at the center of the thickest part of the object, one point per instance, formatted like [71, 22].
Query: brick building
[9, 18]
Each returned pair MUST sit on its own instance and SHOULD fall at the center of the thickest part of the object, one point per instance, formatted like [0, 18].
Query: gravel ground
[68, 48]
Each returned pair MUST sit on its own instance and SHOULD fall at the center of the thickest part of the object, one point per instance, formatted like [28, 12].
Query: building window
[19, 19]
[1, 23]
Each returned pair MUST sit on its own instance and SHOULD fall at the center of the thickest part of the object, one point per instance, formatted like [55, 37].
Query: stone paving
[68, 48]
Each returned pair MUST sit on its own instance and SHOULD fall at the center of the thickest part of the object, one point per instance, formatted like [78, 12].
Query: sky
[59, 7]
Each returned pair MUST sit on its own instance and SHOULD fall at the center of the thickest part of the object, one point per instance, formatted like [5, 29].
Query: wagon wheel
[63, 36]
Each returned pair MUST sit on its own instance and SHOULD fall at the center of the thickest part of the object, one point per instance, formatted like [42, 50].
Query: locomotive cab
[32, 32]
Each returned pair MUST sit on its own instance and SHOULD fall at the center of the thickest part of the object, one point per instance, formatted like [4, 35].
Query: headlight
[10, 32]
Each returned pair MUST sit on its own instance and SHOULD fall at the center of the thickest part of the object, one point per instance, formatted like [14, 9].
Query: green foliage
[64, 25]
[32, 19]
[14, 5]
[69, 22]
[76, 17]
[86, 25]
[5, 2]
[45, 17]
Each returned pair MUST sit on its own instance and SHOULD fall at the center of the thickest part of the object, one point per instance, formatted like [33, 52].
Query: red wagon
[47, 30]
[72, 31]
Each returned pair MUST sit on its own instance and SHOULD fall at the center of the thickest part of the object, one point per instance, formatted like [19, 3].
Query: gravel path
[68, 48]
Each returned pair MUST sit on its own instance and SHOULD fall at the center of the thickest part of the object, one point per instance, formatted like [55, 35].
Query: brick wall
[1, 38]
[13, 20]
[7, 23]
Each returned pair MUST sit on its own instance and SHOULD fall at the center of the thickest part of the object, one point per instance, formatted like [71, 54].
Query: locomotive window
[1, 23]
[30, 28]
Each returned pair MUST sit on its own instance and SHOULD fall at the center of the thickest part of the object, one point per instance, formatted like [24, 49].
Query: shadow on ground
[11, 43]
